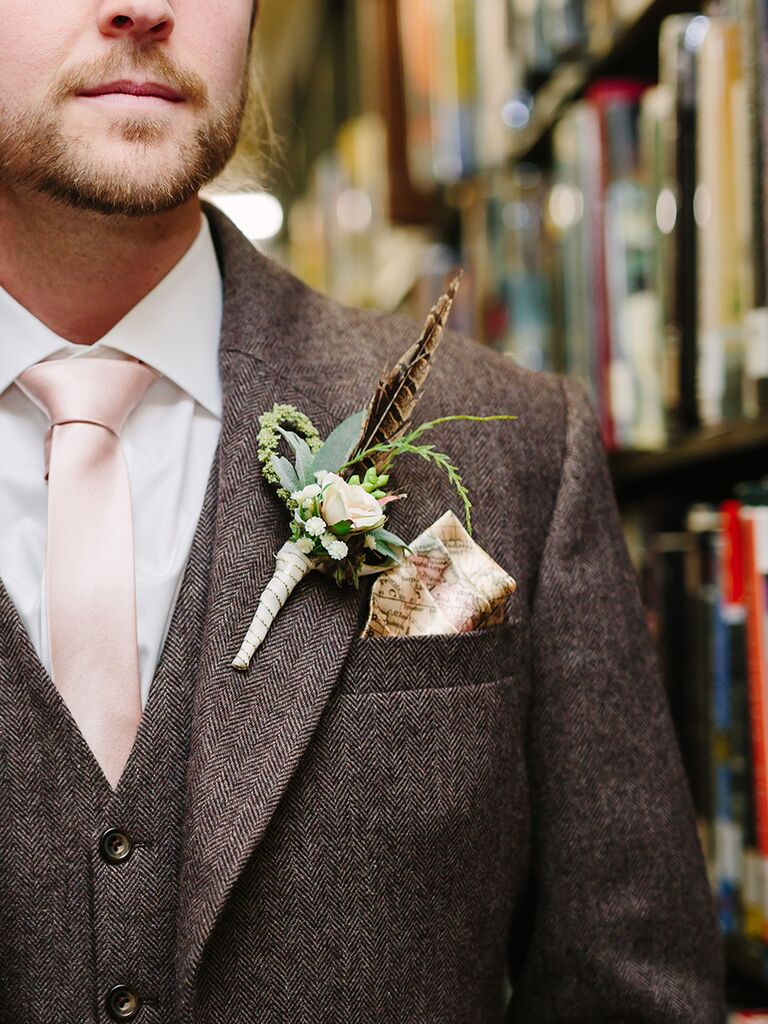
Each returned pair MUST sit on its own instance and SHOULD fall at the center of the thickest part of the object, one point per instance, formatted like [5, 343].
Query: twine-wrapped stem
[291, 566]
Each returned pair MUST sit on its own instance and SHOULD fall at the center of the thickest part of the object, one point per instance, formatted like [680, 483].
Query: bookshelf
[630, 50]
[611, 225]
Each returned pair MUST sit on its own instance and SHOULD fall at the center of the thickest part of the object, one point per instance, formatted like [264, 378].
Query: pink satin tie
[90, 561]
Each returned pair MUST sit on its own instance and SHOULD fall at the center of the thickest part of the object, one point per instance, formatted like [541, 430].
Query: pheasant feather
[389, 414]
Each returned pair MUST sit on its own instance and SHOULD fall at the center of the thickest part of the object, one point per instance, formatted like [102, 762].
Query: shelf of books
[704, 572]
[597, 167]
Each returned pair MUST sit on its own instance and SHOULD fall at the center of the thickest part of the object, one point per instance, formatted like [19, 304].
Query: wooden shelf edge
[704, 449]
[747, 957]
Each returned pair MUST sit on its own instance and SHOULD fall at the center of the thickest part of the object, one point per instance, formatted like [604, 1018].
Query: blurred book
[705, 588]
[723, 239]
[498, 79]
[419, 56]
[506, 241]
[565, 26]
[603, 208]
[628, 351]
[459, 71]
[679, 41]
[576, 195]
[752, 16]
[533, 51]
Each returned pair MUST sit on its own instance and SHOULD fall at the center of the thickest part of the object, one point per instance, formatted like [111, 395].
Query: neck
[81, 272]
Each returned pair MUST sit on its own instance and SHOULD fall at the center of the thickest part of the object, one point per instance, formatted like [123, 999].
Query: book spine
[701, 586]
[680, 38]
[416, 26]
[720, 221]
[576, 150]
[602, 339]
[734, 614]
[754, 531]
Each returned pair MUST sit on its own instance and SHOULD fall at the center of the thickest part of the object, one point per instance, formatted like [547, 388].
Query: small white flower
[306, 493]
[315, 526]
[305, 545]
[336, 548]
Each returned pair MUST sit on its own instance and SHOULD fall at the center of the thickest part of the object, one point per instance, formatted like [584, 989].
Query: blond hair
[260, 150]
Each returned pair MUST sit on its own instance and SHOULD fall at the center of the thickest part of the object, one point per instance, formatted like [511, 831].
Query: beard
[36, 152]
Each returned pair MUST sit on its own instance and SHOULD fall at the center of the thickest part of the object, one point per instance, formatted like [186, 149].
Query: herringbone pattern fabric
[475, 804]
[369, 831]
[71, 925]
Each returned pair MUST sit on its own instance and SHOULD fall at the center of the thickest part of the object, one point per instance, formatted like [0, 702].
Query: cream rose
[342, 501]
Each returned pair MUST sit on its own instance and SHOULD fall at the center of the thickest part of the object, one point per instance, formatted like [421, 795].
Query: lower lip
[126, 99]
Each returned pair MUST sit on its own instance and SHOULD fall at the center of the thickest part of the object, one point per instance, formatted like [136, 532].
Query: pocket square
[448, 584]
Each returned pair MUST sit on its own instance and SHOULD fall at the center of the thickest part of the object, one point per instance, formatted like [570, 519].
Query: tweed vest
[84, 869]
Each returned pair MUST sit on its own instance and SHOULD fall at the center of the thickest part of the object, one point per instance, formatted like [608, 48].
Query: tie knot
[99, 391]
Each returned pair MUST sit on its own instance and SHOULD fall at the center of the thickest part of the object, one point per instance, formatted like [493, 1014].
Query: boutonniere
[337, 491]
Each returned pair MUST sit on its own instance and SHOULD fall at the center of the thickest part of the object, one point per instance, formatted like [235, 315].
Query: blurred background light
[258, 215]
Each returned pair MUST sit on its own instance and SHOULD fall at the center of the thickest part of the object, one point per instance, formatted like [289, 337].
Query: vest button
[115, 846]
[123, 1002]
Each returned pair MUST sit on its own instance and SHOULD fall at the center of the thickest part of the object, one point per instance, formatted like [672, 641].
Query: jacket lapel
[249, 730]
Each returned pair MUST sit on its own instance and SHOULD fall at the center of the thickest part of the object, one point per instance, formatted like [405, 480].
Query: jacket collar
[249, 730]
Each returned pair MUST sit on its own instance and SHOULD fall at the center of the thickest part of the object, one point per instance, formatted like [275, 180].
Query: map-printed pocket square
[448, 584]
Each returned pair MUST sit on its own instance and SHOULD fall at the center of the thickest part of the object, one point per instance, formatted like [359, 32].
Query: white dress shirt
[169, 442]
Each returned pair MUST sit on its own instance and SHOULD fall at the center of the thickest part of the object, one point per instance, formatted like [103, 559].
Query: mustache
[121, 60]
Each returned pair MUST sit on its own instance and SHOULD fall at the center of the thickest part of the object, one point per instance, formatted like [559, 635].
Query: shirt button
[123, 1002]
[115, 846]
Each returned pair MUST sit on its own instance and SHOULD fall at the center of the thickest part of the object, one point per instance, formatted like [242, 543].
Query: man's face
[70, 126]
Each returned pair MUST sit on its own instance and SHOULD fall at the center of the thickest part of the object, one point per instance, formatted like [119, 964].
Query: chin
[138, 187]
[141, 200]
[140, 157]
[130, 165]
[135, 162]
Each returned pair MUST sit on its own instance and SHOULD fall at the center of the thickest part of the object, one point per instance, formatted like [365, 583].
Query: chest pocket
[377, 664]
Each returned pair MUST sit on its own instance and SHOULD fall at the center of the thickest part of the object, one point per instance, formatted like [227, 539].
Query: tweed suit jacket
[493, 826]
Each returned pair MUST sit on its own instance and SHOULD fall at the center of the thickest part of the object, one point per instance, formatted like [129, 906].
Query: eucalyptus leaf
[286, 472]
[338, 445]
[368, 570]
[383, 548]
[389, 538]
[303, 454]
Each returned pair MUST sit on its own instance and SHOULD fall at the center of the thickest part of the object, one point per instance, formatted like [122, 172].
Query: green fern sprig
[418, 431]
[426, 451]
[405, 445]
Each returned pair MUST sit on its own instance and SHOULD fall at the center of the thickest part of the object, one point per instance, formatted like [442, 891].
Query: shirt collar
[175, 328]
